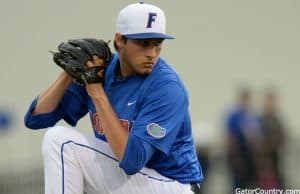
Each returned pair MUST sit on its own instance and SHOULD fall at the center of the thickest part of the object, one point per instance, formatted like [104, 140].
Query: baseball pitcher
[139, 110]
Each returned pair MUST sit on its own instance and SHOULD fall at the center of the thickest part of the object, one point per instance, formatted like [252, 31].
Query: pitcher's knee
[53, 139]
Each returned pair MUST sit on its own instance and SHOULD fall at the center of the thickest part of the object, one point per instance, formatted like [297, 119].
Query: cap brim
[148, 36]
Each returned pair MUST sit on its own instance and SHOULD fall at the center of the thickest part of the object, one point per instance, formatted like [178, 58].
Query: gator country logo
[155, 130]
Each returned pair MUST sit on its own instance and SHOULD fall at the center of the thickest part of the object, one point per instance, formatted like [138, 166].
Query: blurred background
[239, 60]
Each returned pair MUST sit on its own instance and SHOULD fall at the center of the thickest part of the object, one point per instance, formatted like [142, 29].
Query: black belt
[195, 188]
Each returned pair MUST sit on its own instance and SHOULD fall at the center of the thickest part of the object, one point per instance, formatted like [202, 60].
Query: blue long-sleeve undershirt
[137, 154]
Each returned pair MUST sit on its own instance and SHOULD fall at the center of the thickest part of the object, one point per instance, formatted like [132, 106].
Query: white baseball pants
[75, 163]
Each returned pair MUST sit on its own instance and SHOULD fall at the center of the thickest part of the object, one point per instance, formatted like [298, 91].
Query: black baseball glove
[73, 56]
